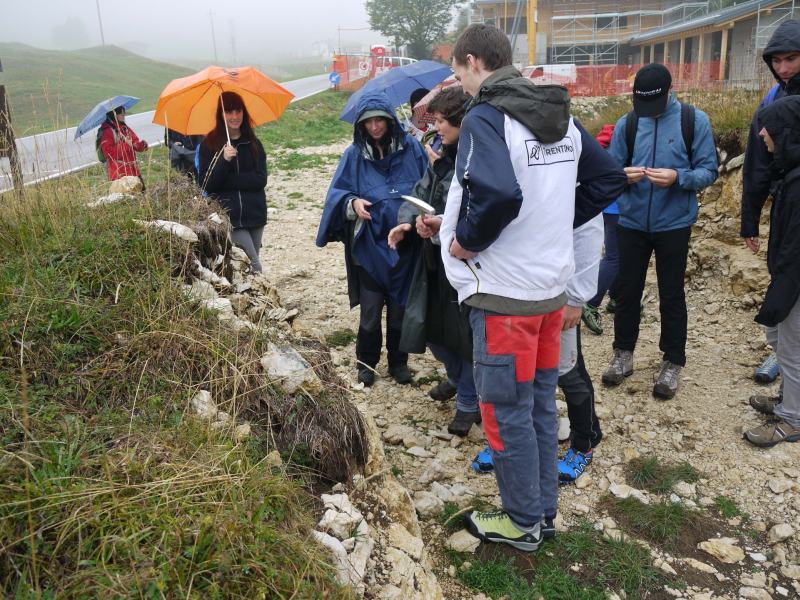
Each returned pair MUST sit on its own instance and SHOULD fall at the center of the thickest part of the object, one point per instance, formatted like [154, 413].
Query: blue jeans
[459, 373]
[516, 370]
[609, 266]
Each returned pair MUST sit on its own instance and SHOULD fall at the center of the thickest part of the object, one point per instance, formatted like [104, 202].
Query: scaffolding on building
[581, 35]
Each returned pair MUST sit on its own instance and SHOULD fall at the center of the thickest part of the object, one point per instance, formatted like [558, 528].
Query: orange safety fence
[615, 80]
[354, 70]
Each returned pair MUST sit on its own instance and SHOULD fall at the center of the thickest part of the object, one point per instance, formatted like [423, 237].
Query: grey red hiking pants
[516, 370]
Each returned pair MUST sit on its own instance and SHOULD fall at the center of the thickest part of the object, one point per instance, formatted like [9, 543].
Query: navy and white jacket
[515, 200]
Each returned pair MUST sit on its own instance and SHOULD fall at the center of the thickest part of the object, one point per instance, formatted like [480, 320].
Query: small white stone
[463, 541]
[779, 486]
[419, 452]
[779, 533]
[563, 429]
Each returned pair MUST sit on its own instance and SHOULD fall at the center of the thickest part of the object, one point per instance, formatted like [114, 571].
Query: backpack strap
[771, 96]
[631, 125]
[687, 128]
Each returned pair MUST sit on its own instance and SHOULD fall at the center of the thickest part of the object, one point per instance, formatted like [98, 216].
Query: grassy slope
[106, 486]
[52, 89]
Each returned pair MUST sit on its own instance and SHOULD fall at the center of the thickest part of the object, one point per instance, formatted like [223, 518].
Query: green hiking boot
[591, 318]
[496, 526]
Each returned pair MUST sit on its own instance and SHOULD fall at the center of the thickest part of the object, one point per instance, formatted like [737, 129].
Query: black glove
[781, 297]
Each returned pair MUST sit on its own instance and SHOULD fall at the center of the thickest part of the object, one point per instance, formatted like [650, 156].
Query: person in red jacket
[119, 145]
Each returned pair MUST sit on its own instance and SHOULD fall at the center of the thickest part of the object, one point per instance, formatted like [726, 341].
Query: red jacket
[605, 135]
[119, 152]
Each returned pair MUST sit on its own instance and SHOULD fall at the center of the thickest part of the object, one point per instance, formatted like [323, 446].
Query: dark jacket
[659, 143]
[756, 180]
[782, 120]
[382, 182]
[432, 312]
[238, 185]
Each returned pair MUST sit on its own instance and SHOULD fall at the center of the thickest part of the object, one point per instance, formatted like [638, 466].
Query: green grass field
[51, 89]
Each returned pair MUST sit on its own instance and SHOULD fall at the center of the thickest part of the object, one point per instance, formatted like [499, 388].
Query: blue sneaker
[768, 371]
[483, 462]
[573, 465]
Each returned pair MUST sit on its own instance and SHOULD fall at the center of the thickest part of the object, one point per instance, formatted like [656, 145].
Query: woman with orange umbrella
[233, 170]
[232, 162]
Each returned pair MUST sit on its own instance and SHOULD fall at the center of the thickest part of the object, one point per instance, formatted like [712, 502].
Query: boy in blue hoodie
[656, 214]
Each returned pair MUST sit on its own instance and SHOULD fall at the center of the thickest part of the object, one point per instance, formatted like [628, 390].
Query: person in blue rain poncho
[361, 207]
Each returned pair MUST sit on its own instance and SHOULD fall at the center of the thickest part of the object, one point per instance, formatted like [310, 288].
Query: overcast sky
[260, 31]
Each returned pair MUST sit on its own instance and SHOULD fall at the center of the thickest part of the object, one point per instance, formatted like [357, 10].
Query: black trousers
[579, 394]
[369, 341]
[671, 249]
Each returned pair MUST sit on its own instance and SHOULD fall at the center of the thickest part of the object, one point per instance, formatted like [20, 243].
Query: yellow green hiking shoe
[496, 526]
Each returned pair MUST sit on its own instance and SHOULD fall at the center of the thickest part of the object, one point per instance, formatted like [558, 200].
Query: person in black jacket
[235, 174]
[432, 317]
[780, 130]
[782, 55]
[181, 151]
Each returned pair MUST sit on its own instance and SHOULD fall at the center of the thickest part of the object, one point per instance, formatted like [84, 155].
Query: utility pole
[233, 41]
[213, 35]
[8, 145]
[100, 20]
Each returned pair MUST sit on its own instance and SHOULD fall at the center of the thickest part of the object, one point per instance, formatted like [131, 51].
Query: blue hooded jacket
[659, 144]
[382, 182]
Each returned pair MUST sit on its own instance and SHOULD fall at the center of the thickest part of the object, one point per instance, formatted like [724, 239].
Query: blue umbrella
[398, 83]
[97, 115]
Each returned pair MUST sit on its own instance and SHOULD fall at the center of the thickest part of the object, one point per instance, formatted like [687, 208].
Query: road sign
[363, 68]
[334, 78]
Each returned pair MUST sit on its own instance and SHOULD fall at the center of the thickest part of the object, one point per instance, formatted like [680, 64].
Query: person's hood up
[544, 109]
[786, 38]
[781, 119]
[378, 104]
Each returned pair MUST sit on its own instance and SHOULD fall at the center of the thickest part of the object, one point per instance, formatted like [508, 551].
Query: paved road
[48, 155]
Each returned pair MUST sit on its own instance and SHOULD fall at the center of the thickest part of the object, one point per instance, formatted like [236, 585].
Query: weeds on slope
[107, 486]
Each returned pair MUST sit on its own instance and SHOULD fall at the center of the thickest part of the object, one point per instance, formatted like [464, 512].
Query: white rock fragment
[179, 230]
[399, 537]
[463, 541]
[215, 218]
[779, 486]
[222, 306]
[434, 472]
[622, 491]
[428, 505]
[209, 276]
[685, 490]
[109, 199]
[751, 593]
[563, 429]
[284, 365]
[419, 452]
[723, 549]
[779, 533]
[129, 184]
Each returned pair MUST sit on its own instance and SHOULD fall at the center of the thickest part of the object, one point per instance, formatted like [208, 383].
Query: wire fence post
[8, 146]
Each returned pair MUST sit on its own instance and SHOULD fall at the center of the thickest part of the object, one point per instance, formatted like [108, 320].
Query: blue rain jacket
[382, 182]
[659, 144]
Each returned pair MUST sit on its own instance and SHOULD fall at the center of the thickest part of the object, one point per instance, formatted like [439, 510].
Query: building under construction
[610, 32]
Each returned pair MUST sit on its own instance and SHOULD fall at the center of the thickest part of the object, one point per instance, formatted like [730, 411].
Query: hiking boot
[497, 526]
[772, 432]
[462, 422]
[768, 371]
[667, 381]
[483, 463]
[366, 375]
[548, 528]
[611, 307]
[573, 465]
[621, 367]
[401, 374]
[765, 404]
[444, 390]
[591, 318]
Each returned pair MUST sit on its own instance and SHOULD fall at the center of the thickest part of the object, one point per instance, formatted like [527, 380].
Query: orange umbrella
[188, 105]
